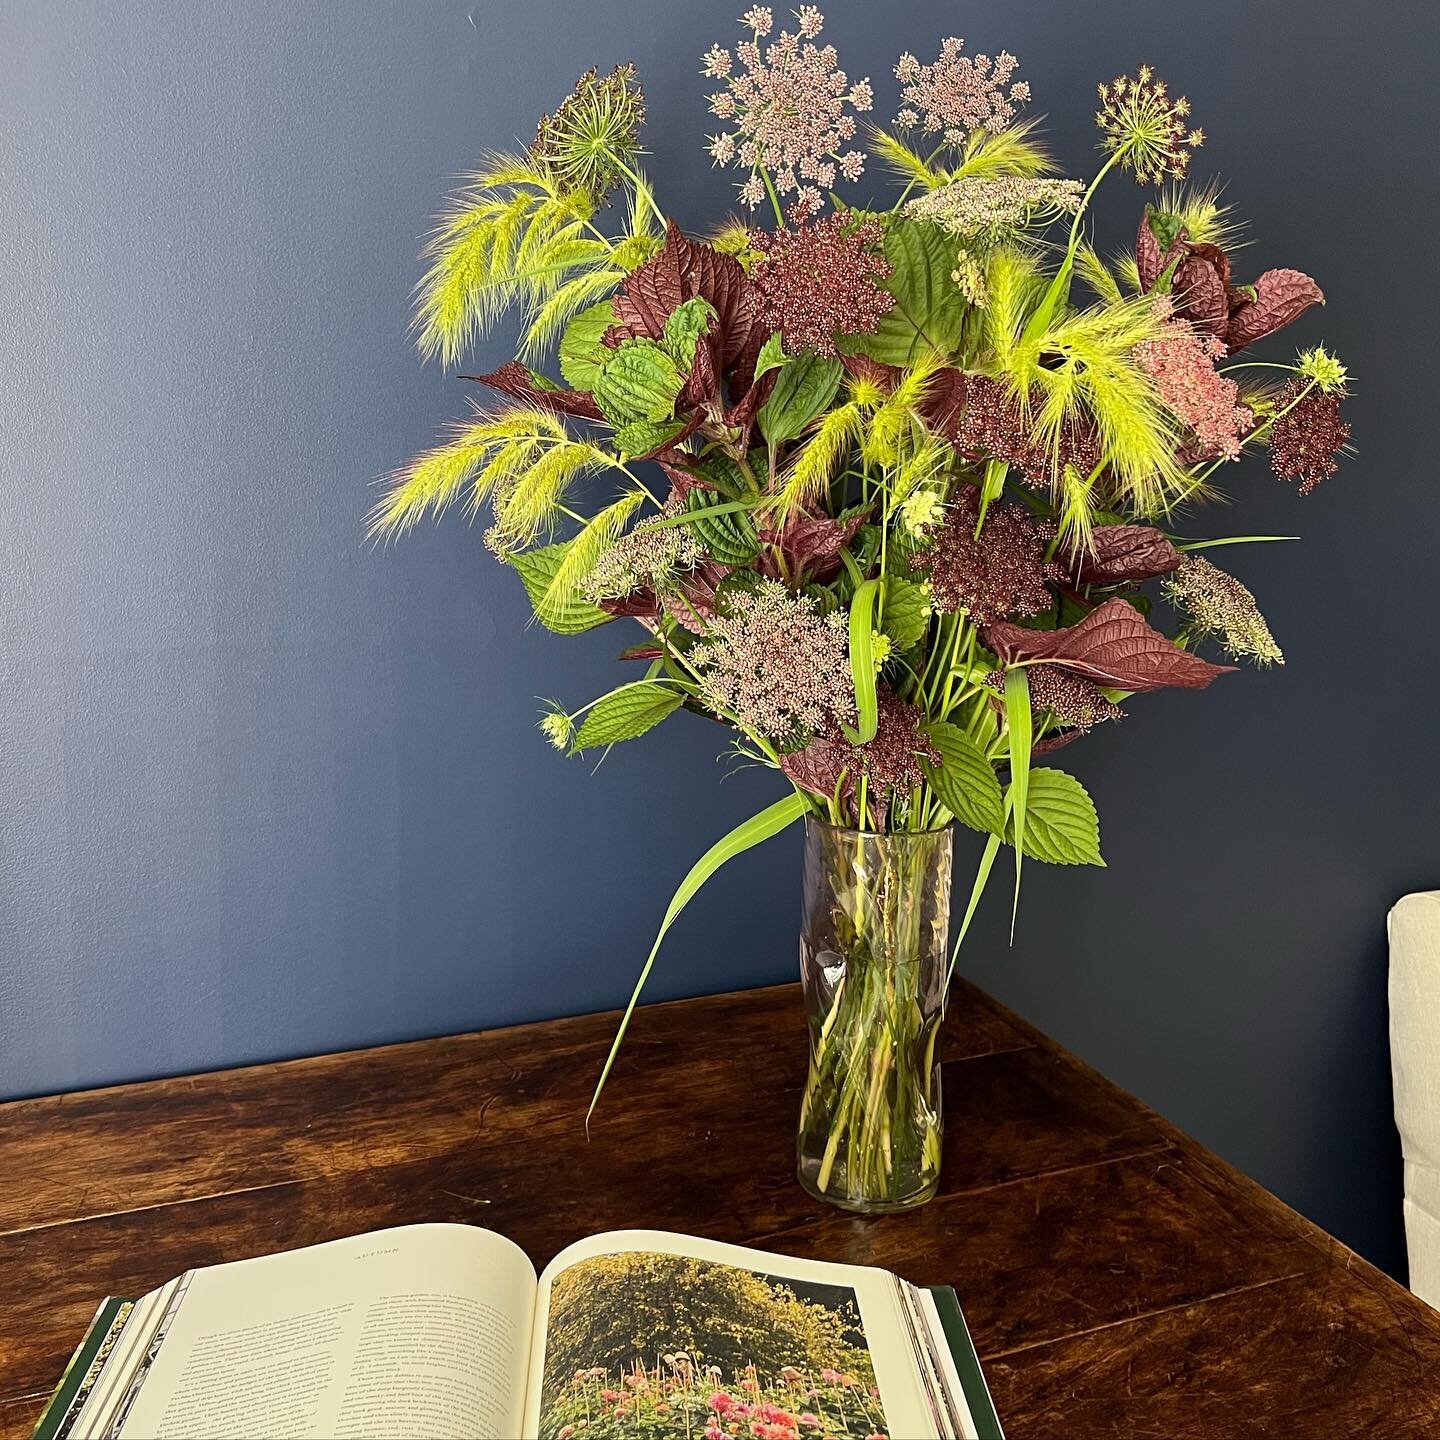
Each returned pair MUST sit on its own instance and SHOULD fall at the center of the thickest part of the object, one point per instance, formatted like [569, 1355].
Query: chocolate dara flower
[1071, 700]
[998, 575]
[1308, 435]
[820, 280]
[1199, 281]
[890, 761]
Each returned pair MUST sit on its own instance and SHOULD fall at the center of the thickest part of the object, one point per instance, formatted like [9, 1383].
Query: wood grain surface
[1120, 1281]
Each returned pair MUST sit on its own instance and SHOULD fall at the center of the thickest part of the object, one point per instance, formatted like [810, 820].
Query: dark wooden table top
[1120, 1280]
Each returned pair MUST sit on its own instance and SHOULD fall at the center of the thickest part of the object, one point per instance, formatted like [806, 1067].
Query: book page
[692, 1338]
[419, 1331]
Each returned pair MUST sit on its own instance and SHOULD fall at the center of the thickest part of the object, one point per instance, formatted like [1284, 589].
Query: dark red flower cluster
[1071, 699]
[820, 279]
[891, 762]
[1002, 574]
[1305, 440]
[993, 424]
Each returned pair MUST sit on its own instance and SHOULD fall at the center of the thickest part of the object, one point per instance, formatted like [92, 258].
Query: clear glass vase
[873, 966]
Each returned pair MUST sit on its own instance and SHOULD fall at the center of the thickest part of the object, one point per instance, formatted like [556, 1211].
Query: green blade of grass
[1018, 724]
[770, 821]
[862, 663]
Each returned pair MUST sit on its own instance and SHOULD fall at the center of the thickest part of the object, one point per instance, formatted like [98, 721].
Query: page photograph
[684, 1339]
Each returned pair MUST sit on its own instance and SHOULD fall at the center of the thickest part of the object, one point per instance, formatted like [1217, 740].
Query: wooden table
[1119, 1279]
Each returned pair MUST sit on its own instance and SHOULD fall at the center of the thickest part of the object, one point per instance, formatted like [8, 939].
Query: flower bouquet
[887, 487]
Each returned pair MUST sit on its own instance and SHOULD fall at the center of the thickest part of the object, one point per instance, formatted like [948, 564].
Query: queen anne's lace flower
[775, 664]
[789, 105]
[647, 558]
[976, 206]
[958, 94]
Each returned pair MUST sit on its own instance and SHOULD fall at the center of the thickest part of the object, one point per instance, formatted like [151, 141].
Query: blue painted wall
[266, 791]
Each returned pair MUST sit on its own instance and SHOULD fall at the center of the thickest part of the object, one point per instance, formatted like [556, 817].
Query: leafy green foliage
[1020, 729]
[684, 327]
[731, 538]
[803, 390]
[906, 614]
[965, 780]
[582, 356]
[569, 616]
[929, 309]
[862, 663]
[615, 1310]
[639, 381]
[626, 714]
[1061, 826]
[770, 821]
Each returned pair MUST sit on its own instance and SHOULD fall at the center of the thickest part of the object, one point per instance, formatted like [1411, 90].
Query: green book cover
[967, 1363]
[80, 1374]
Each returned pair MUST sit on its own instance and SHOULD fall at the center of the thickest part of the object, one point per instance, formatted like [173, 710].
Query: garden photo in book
[675, 1346]
[890, 472]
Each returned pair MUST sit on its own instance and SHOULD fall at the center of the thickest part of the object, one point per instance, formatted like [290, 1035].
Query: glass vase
[873, 967]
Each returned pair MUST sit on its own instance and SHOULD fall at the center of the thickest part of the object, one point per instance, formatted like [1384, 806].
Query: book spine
[84, 1368]
[967, 1363]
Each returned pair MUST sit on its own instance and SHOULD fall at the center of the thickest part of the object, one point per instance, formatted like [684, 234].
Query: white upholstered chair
[1414, 927]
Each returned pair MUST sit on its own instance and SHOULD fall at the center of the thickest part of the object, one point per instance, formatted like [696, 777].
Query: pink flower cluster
[1181, 365]
[958, 94]
[788, 105]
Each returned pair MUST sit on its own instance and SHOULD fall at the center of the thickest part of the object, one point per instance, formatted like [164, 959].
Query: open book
[442, 1331]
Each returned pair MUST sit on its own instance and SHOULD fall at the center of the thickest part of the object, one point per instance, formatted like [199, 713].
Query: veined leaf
[965, 780]
[772, 355]
[581, 353]
[537, 569]
[1019, 724]
[1061, 826]
[626, 714]
[862, 663]
[803, 389]
[929, 309]
[729, 538]
[638, 382]
[1112, 645]
[683, 329]
[641, 437]
[906, 612]
[770, 821]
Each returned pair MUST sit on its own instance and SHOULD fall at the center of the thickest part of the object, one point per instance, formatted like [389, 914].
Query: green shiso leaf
[626, 714]
[536, 569]
[639, 381]
[965, 780]
[1061, 826]
[581, 353]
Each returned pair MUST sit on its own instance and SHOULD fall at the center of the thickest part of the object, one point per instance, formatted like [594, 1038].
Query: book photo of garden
[659, 1346]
